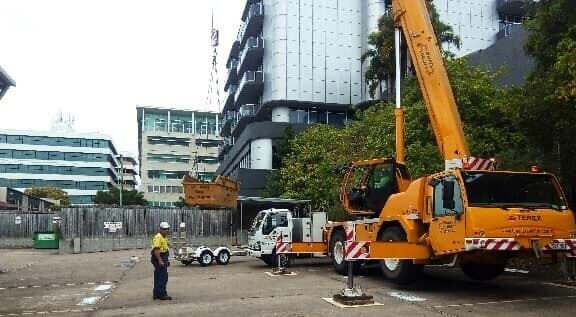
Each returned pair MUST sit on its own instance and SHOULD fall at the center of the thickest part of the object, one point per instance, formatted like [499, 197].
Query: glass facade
[181, 122]
[168, 158]
[165, 189]
[62, 184]
[50, 169]
[26, 157]
[311, 116]
[157, 174]
[53, 155]
[54, 141]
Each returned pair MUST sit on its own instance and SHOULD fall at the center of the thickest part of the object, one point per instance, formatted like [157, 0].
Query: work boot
[165, 298]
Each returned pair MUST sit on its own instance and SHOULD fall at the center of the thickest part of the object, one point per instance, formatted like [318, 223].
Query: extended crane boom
[433, 79]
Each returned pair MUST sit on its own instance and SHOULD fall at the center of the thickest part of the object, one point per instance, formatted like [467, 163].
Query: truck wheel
[267, 259]
[338, 254]
[398, 271]
[223, 257]
[206, 258]
[186, 262]
[482, 272]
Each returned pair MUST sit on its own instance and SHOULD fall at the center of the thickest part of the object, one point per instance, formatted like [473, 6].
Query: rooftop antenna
[213, 87]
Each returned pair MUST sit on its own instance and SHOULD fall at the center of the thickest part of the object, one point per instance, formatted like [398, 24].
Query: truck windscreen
[512, 190]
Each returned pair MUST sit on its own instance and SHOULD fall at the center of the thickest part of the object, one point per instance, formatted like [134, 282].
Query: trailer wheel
[398, 271]
[338, 254]
[482, 272]
[206, 258]
[186, 262]
[223, 257]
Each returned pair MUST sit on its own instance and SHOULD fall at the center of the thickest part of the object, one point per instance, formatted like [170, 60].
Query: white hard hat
[164, 225]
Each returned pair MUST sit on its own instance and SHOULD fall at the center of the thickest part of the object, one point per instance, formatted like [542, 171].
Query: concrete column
[261, 154]
[280, 114]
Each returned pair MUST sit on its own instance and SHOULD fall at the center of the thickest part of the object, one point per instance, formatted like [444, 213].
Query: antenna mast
[213, 88]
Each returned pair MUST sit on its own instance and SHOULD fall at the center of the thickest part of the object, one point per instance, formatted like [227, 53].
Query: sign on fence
[112, 226]
[18, 220]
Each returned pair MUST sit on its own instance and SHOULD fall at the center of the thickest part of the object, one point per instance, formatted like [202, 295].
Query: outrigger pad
[354, 300]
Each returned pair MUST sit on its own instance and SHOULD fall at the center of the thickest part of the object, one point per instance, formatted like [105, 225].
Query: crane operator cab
[369, 186]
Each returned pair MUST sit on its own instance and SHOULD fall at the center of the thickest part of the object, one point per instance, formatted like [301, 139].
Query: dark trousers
[160, 276]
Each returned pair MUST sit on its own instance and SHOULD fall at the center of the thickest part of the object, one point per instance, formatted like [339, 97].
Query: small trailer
[204, 255]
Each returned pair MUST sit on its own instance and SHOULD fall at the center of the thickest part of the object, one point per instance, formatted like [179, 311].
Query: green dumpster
[45, 240]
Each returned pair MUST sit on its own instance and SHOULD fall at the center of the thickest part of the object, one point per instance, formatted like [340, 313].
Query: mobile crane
[467, 215]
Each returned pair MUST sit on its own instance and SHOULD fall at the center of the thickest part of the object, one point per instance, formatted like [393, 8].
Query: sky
[96, 60]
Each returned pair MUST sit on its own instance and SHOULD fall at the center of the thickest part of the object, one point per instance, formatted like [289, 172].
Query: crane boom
[413, 18]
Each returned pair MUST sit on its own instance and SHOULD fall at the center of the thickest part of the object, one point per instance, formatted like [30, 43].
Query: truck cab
[265, 230]
[298, 235]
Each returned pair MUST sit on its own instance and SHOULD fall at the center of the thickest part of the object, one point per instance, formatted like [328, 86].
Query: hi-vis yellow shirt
[161, 243]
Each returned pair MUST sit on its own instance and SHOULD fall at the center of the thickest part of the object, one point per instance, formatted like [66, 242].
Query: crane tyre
[338, 254]
[398, 271]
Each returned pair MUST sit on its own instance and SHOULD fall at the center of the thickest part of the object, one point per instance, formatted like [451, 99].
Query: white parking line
[560, 285]
[507, 301]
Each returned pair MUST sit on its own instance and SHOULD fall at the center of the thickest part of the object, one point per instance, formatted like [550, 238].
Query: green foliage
[381, 55]
[309, 169]
[181, 203]
[112, 197]
[51, 193]
[546, 110]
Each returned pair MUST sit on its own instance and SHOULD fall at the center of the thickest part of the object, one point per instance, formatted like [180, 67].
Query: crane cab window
[447, 197]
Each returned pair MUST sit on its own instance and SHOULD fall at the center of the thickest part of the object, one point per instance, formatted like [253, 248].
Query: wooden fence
[122, 226]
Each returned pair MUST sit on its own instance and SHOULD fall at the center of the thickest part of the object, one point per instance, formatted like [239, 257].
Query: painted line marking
[89, 300]
[516, 271]
[103, 287]
[561, 285]
[56, 285]
[286, 274]
[335, 303]
[507, 301]
[406, 297]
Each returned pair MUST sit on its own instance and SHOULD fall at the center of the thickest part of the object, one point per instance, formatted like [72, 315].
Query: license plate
[558, 246]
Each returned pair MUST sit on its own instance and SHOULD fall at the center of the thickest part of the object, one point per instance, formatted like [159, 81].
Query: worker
[159, 258]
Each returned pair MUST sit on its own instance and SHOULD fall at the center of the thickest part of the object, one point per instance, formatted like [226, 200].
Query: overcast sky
[99, 59]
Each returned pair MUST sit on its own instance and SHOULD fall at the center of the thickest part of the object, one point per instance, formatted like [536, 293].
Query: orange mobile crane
[467, 215]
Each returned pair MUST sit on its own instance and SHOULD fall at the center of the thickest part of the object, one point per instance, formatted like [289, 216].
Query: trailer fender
[199, 250]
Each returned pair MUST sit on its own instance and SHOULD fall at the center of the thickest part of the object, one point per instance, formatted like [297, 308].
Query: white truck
[300, 236]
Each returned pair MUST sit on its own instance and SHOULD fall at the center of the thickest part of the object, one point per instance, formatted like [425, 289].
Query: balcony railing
[232, 77]
[230, 98]
[253, 23]
[250, 78]
[253, 52]
[245, 111]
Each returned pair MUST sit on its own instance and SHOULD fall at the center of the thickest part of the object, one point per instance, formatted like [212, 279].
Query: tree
[51, 193]
[545, 106]
[308, 171]
[181, 203]
[112, 197]
[381, 56]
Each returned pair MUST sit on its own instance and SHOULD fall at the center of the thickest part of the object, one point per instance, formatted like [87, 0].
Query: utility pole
[121, 179]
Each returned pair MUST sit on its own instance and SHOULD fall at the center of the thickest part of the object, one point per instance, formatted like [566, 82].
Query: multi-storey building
[299, 63]
[480, 23]
[80, 164]
[173, 143]
[5, 82]
[129, 175]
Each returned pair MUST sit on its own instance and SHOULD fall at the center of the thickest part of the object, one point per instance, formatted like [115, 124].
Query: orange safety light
[535, 169]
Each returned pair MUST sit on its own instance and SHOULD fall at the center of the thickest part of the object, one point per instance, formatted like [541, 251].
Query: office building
[171, 144]
[5, 82]
[80, 164]
[129, 174]
[299, 63]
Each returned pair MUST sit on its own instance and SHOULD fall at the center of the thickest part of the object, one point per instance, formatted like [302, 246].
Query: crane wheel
[398, 271]
[338, 255]
[482, 272]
